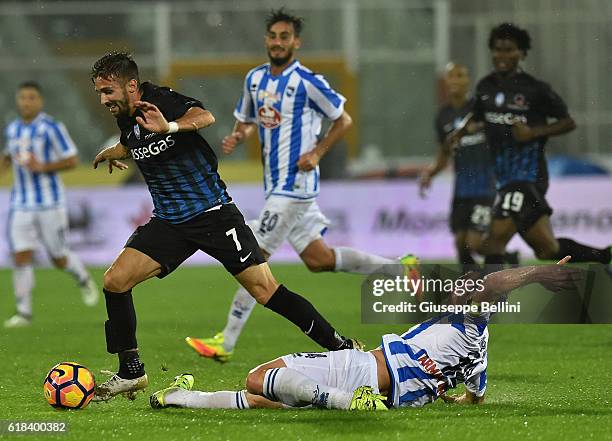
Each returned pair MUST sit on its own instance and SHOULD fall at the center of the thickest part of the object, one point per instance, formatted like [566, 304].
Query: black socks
[582, 253]
[301, 313]
[121, 333]
[130, 366]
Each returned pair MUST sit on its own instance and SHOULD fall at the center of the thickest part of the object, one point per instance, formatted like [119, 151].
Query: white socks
[239, 313]
[207, 400]
[23, 283]
[75, 268]
[350, 260]
[294, 389]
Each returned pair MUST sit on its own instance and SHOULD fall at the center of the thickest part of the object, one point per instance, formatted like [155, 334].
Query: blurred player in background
[474, 190]
[192, 211]
[515, 108]
[39, 147]
[285, 103]
[411, 370]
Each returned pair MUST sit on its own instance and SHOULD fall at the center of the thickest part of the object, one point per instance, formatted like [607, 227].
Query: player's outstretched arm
[308, 161]
[241, 132]
[555, 278]
[112, 154]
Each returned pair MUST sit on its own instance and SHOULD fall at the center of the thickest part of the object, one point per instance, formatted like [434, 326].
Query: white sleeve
[477, 382]
[62, 143]
[245, 109]
[323, 98]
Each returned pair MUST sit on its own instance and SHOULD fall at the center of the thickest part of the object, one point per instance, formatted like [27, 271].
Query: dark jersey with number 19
[502, 101]
[180, 168]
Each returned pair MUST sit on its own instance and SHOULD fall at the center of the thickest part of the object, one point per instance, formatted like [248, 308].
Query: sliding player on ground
[408, 370]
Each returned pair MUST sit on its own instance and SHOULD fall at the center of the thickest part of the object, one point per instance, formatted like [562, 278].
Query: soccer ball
[69, 385]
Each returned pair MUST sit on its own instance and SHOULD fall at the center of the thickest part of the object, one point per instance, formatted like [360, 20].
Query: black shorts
[524, 202]
[221, 233]
[471, 214]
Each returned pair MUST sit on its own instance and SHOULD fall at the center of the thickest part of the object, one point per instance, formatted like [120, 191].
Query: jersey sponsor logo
[153, 149]
[269, 117]
[519, 102]
[499, 99]
[431, 368]
[474, 139]
[507, 118]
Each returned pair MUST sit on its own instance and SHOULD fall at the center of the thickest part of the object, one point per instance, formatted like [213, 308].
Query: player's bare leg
[73, 266]
[541, 239]
[494, 244]
[129, 269]
[466, 243]
[318, 257]
[270, 385]
[23, 283]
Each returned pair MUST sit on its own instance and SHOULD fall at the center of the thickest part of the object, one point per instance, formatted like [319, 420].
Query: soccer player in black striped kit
[192, 211]
[515, 109]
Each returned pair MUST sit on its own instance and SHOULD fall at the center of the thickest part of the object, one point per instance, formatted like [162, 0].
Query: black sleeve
[440, 133]
[550, 103]
[478, 106]
[174, 105]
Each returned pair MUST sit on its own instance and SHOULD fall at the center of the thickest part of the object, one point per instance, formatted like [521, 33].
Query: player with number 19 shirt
[515, 109]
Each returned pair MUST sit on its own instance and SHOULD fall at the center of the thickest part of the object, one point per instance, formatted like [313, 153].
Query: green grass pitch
[546, 382]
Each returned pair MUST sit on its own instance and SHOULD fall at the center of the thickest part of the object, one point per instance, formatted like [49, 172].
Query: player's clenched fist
[230, 142]
[309, 161]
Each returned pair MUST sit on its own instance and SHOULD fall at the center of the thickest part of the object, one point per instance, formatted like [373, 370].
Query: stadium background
[385, 56]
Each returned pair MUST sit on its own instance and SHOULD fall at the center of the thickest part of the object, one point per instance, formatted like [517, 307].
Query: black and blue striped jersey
[180, 168]
[503, 101]
[474, 176]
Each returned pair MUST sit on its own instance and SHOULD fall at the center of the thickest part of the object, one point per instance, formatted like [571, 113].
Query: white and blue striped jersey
[435, 356]
[48, 141]
[288, 110]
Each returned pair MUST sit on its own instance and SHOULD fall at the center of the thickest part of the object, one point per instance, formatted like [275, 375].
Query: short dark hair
[30, 85]
[282, 15]
[118, 65]
[509, 31]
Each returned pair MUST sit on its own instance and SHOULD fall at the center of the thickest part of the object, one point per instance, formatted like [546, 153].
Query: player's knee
[60, 262]
[254, 381]
[547, 252]
[116, 281]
